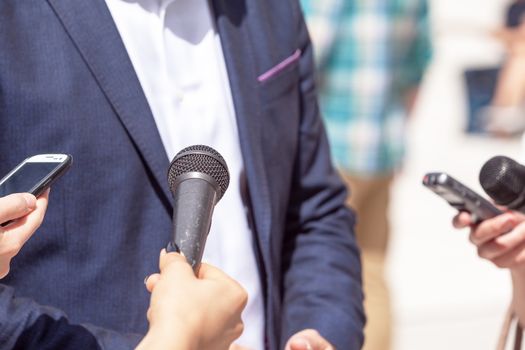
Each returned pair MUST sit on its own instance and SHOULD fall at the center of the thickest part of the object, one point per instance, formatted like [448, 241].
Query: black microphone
[198, 177]
[503, 179]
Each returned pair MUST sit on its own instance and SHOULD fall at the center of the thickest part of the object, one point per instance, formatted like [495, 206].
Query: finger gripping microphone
[198, 177]
[503, 179]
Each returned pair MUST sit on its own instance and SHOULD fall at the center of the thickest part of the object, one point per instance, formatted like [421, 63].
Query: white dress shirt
[177, 55]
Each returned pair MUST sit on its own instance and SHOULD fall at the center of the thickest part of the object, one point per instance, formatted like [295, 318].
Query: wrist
[168, 338]
[518, 273]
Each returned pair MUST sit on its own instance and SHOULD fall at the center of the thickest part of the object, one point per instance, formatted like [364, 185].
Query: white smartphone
[35, 174]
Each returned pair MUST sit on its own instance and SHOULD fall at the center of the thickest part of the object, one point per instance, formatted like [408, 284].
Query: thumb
[16, 205]
[308, 339]
[300, 343]
[237, 347]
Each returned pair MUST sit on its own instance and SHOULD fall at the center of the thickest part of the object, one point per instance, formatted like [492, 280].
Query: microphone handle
[194, 200]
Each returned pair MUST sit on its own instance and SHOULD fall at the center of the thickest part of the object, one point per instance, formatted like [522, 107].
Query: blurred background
[443, 295]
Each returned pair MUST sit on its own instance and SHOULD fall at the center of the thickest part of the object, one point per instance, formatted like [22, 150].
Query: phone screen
[26, 177]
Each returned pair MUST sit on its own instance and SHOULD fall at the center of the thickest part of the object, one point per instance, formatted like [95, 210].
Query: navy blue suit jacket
[67, 85]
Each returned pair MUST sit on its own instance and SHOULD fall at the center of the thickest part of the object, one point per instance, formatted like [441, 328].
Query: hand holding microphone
[192, 312]
[193, 306]
[501, 239]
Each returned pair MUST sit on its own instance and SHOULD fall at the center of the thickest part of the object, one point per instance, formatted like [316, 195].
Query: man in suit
[122, 85]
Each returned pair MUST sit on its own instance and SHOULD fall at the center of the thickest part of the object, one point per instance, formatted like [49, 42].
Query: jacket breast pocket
[280, 105]
[281, 78]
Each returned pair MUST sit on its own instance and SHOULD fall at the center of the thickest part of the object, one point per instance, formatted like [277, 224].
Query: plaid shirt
[370, 53]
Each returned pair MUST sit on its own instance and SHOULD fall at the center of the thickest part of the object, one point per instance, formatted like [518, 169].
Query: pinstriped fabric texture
[370, 53]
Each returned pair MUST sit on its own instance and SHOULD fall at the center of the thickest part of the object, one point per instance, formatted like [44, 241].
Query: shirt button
[179, 96]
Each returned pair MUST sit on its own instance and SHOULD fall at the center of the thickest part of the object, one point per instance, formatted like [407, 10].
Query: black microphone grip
[192, 214]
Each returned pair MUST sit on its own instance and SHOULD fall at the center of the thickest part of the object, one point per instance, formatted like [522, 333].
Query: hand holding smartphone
[35, 174]
[460, 196]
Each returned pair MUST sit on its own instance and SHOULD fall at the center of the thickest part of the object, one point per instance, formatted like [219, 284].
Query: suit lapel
[91, 27]
[232, 21]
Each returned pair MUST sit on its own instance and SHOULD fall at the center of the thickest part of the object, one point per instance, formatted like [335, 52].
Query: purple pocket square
[279, 67]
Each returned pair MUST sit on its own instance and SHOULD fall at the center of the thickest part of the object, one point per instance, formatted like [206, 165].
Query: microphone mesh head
[201, 159]
[503, 179]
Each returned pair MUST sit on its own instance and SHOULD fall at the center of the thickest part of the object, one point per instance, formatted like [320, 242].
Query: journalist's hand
[202, 312]
[308, 339]
[500, 240]
[27, 213]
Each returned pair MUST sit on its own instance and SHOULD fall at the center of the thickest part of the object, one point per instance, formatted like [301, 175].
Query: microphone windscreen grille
[202, 159]
[502, 179]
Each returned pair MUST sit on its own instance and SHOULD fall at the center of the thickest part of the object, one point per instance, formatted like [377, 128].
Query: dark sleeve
[515, 15]
[25, 325]
[321, 269]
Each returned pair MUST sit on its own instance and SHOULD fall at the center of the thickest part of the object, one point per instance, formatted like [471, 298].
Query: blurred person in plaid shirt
[371, 56]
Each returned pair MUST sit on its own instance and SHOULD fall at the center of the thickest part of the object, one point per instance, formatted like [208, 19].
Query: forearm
[323, 289]
[166, 340]
[28, 325]
[410, 64]
[518, 293]
[324, 20]
[169, 333]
